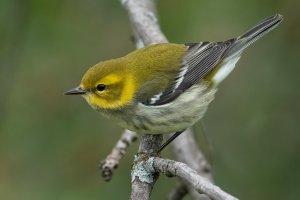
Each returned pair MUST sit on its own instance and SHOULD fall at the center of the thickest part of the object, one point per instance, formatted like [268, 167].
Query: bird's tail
[258, 31]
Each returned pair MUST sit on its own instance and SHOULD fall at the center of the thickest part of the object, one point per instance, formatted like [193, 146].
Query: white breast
[178, 115]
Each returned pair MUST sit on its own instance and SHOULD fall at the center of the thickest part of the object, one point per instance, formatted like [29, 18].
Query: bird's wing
[200, 59]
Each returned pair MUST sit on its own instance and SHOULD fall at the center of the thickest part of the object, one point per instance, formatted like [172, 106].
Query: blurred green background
[50, 144]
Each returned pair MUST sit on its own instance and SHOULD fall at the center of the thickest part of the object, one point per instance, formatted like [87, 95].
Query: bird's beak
[75, 91]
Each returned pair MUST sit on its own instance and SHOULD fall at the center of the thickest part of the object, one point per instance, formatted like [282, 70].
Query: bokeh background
[50, 144]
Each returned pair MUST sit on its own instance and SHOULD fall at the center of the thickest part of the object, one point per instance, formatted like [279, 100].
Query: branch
[185, 149]
[201, 184]
[112, 161]
[142, 15]
[143, 176]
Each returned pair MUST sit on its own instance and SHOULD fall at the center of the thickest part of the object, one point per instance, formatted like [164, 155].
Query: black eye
[101, 87]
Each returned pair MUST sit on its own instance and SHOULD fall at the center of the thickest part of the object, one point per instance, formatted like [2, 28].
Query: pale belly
[178, 115]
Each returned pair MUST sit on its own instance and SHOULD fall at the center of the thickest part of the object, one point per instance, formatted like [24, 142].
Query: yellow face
[108, 88]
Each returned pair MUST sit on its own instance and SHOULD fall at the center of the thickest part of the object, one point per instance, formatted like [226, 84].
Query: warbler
[165, 88]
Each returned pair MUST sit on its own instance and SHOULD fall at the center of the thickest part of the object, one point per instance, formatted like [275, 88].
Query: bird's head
[107, 85]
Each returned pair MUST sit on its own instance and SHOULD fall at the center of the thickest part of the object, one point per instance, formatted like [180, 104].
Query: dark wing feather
[199, 60]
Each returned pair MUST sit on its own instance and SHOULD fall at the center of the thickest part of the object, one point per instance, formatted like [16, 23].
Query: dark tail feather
[262, 28]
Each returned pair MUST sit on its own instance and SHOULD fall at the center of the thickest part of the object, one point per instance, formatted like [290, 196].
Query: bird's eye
[101, 87]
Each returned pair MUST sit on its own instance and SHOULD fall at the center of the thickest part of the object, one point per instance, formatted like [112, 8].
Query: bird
[165, 88]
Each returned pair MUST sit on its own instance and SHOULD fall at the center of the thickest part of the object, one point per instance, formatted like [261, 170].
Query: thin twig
[112, 161]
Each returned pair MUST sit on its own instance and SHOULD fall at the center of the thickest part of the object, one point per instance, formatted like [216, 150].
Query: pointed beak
[75, 91]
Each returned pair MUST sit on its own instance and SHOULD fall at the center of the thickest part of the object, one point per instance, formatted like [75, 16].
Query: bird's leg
[166, 143]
